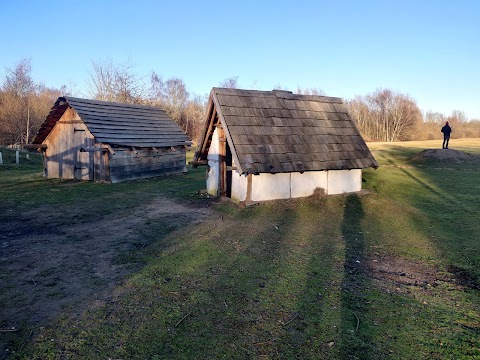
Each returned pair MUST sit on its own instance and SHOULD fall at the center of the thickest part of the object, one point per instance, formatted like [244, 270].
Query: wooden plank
[147, 144]
[141, 135]
[124, 176]
[160, 168]
[159, 141]
[197, 163]
[35, 146]
[209, 131]
[132, 159]
[92, 149]
[113, 106]
[101, 125]
[125, 117]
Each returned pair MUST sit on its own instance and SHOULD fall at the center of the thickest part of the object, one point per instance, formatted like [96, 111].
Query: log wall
[127, 164]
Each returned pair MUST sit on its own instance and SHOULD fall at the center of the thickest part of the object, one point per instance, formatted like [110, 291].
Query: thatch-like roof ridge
[118, 123]
[278, 131]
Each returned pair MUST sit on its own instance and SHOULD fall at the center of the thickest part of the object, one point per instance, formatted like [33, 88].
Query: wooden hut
[109, 142]
[265, 145]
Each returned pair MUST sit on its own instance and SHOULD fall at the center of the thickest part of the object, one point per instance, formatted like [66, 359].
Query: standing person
[446, 130]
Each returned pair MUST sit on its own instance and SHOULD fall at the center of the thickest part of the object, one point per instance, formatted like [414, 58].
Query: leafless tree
[24, 104]
[16, 102]
[194, 115]
[230, 83]
[116, 82]
[279, 86]
[171, 94]
[385, 115]
[310, 91]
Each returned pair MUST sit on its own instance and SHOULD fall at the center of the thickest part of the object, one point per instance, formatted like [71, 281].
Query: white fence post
[1, 159]
[27, 156]
[17, 157]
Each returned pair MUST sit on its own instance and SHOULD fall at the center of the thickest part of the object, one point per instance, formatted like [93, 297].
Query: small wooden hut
[266, 145]
[109, 142]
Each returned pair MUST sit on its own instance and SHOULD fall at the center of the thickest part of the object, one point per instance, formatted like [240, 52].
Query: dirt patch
[447, 155]
[395, 274]
[50, 267]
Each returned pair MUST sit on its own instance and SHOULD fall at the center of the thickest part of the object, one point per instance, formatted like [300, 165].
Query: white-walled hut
[109, 142]
[266, 145]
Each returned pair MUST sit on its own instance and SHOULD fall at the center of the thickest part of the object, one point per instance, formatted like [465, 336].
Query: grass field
[390, 273]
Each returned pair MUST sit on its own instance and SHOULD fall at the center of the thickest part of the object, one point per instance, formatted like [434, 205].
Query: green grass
[289, 279]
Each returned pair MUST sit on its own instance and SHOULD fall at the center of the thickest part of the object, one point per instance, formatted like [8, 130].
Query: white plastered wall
[239, 185]
[344, 181]
[295, 185]
[213, 157]
[270, 187]
[304, 184]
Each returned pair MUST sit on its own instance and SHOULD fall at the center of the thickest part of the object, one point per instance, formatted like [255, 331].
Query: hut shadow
[354, 303]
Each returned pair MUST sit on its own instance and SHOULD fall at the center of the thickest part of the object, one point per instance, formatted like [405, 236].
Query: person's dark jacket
[446, 130]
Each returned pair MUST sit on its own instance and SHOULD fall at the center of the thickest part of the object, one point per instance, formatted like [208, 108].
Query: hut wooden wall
[62, 157]
[126, 164]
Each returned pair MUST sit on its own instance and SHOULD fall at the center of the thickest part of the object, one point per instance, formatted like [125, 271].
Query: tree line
[383, 115]
[386, 115]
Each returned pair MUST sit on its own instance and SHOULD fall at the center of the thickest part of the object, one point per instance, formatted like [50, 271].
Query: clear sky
[429, 49]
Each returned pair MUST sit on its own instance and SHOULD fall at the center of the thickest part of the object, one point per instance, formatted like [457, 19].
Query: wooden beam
[93, 149]
[248, 197]
[197, 163]
[35, 146]
[209, 130]
[110, 150]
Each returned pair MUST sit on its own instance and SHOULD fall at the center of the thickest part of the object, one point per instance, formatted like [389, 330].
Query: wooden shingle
[277, 131]
[118, 124]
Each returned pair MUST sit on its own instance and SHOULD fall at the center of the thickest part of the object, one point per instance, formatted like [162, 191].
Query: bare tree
[279, 86]
[24, 104]
[17, 92]
[116, 82]
[230, 83]
[193, 115]
[310, 91]
[360, 111]
[171, 94]
[385, 115]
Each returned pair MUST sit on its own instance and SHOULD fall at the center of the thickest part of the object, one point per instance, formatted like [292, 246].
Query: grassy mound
[445, 155]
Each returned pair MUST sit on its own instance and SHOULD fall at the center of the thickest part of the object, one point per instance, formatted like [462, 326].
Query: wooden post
[1, 159]
[249, 188]
[17, 157]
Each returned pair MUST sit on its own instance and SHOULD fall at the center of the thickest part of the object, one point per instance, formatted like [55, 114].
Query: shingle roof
[277, 131]
[118, 124]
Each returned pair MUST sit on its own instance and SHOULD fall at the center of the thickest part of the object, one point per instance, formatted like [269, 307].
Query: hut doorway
[228, 171]
[225, 166]
[83, 162]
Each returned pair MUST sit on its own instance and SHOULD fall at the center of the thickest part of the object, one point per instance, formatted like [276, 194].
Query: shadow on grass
[355, 343]
[196, 301]
[448, 196]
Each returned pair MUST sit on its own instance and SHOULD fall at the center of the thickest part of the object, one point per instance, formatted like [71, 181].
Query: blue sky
[427, 49]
